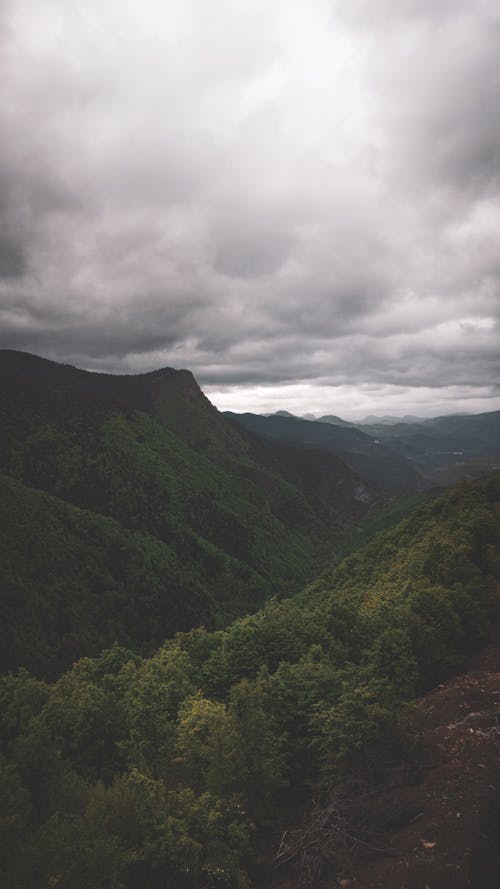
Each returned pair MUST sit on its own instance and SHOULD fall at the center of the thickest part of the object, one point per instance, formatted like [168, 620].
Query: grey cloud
[450, 129]
[252, 253]
[387, 15]
[265, 193]
[12, 257]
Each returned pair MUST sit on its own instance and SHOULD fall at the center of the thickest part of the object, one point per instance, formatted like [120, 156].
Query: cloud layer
[291, 198]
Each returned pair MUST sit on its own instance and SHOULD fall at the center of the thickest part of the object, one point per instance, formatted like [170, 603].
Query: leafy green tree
[209, 746]
[262, 763]
[296, 690]
[391, 657]
[363, 727]
[152, 699]
[15, 817]
[87, 723]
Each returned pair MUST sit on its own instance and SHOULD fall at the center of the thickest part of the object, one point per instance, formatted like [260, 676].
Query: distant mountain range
[388, 420]
[375, 462]
[334, 420]
[133, 517]
[398, 454]
[370, 420]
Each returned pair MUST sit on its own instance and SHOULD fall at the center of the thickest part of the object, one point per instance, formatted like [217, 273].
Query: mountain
[444, 449]
[73, 582]
[375, 462]
[335, 421]
[388, 420]
[288, 736]
[139, 747]
[223, 519]
[421, 452]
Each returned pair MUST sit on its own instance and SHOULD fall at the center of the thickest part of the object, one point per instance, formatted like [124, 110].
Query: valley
[209, 622]
[401, 457]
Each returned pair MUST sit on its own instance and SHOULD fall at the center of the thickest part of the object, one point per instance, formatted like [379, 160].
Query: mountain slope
[334, 420]
[173, 770]
[73, 582]
[238, 519]
[376, 463]
[460, 795]
[404, 456]
[446, 448]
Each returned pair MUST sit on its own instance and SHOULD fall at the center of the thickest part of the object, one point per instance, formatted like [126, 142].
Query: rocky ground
[447, 833]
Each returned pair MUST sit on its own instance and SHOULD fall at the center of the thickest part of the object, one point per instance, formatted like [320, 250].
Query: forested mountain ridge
[73, 582]
[447, 448]
[169, 771]
[222, 519]
[376, 463]
[129, 509]
[442, 449]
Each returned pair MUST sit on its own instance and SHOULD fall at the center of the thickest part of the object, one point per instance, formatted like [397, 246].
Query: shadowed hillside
[376, 463]
[194, 767]
[233, 520]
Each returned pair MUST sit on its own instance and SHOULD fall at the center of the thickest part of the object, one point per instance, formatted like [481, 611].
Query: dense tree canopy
[164, 771]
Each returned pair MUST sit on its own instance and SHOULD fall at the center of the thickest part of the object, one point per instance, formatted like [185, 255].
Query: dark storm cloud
[265, 193]
[113, 333]
[12, 257]
[13, 260]
[248, 254]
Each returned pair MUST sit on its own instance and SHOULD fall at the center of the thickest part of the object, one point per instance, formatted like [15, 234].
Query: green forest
[204, 634]
[131, 509]
[172, 770]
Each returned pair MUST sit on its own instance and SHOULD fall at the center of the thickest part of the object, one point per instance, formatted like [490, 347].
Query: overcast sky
[298, 200]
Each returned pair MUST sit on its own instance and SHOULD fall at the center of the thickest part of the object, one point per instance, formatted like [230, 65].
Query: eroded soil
[448, 835]
[453, 840]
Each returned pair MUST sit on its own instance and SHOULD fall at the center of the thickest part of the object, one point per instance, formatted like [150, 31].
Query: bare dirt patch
[440, 828]
[452, 839]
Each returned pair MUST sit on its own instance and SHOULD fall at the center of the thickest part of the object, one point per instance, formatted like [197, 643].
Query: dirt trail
[453, 840]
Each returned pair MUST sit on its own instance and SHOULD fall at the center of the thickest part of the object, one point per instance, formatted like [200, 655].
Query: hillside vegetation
[405, 455]
[171, 771]
[441, 449]
[74, 581]
[378, 464]
[161, 515]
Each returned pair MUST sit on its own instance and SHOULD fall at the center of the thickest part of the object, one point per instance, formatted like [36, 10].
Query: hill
[453, 843]
[402, 455]
[231, 520]
[185, 755]
[180, 769]
[388, 420]
[334, 420]
[375, 462]
[444, 449]
[73, 582]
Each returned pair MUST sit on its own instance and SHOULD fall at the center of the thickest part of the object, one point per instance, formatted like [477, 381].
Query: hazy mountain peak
[389, 420]
[334, 420]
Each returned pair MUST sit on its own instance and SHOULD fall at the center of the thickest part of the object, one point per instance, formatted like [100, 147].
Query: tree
[209, 746]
